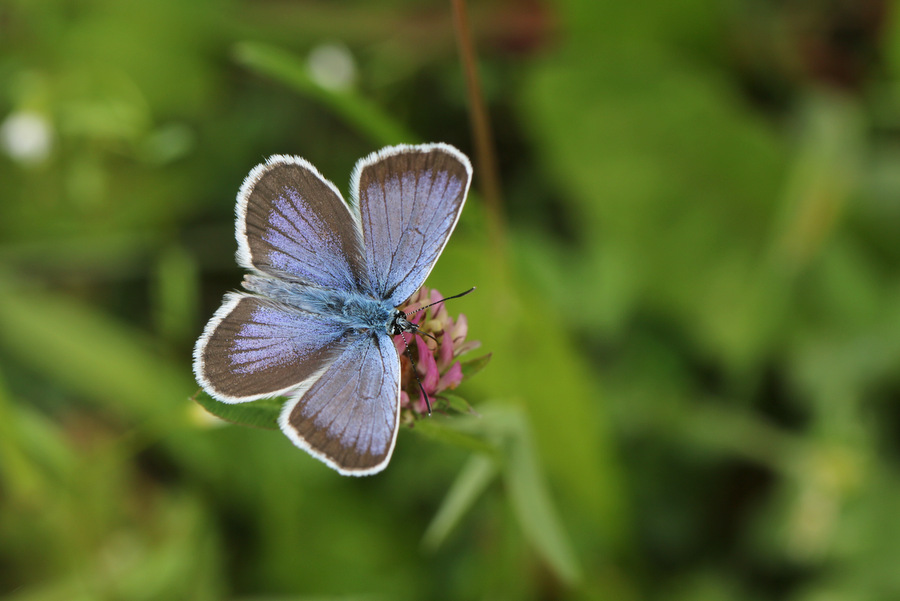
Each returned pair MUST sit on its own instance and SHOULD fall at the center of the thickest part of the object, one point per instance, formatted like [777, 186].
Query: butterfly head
[399, 323]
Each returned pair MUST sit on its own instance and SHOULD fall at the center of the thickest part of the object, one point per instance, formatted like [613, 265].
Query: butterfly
[324, 283]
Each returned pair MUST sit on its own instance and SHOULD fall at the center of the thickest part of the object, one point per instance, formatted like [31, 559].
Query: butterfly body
[354, 310]
[325, 279]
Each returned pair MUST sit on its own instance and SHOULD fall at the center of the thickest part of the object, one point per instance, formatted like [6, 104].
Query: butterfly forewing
[254, 348]
[293, 223]
[409, 199]
[348, 417]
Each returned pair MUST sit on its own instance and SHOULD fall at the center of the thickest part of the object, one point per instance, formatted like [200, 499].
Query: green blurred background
[693, 304]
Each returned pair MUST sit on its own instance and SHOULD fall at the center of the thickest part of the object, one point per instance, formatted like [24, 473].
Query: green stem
[485, 155]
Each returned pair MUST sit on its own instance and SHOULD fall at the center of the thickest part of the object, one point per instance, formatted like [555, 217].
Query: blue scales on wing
[255, 348]
[348, 416]
[293, 224]
[409, 200]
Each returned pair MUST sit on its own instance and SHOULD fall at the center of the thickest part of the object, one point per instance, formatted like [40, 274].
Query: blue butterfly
[325, 279]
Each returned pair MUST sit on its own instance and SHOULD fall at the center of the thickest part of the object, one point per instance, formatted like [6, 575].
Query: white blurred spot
[332, 66]
[26, 137]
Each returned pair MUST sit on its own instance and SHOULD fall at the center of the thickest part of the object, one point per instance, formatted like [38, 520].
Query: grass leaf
[532, 503]
[472, 480]
[292, 71]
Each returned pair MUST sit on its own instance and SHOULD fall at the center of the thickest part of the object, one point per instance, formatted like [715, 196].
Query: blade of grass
[292, 71]
[471, 482]
[526, 484]
[19, 476]
[533, 506]
[92, 355]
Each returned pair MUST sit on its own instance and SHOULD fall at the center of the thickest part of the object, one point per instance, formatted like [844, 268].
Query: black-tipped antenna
[416, 372]
[442, 300]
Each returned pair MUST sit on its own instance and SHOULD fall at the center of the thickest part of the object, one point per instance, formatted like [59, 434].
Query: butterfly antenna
[416, 371]
[421, 333]
[442, 300]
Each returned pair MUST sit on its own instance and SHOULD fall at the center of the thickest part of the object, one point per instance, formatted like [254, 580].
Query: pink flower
[436, 359]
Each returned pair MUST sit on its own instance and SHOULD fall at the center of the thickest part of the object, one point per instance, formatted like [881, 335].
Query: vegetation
[690, 289]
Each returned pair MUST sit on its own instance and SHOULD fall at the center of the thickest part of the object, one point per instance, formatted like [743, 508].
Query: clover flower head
[436, 359]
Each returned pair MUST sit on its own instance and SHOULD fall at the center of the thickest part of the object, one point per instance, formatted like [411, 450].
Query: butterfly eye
[399, 323]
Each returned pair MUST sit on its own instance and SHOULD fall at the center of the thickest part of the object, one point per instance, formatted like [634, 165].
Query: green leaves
[473, 366]
[694, 340]
[502, 444]
[256, 414]
[471, 482]
[511, 455]
[357, 111]
[91, 353]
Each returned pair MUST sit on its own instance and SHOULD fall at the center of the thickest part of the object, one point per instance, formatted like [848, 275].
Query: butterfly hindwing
[348, 417]
[292, 223]
[254, 348]
[409, 199]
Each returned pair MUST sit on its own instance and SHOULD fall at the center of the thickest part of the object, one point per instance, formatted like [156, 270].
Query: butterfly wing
[348, 416]
[292, 223]
[254, 348]
[409, 199]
